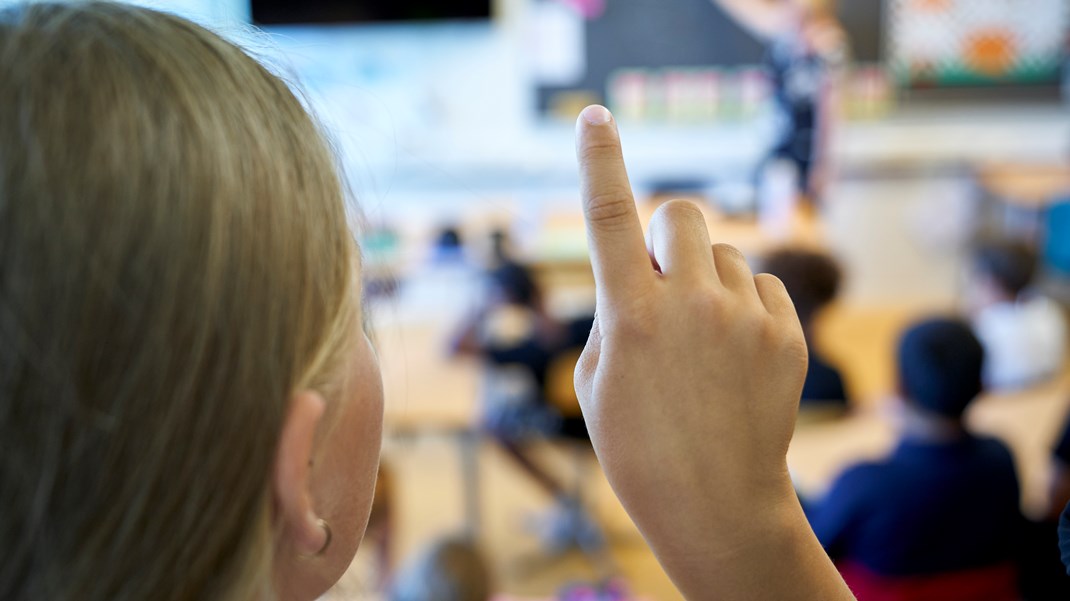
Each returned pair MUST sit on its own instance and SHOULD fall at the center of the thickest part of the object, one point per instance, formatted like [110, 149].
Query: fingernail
[596, 115]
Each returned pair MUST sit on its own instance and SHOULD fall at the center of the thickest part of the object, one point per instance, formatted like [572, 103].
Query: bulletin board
[688, 33]
[978, 42]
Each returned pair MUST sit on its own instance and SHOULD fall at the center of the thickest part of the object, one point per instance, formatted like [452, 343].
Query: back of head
[812, 278]
[1010, 264]
[448, 570]
[516, 283]
[175, 261]
[940, 364]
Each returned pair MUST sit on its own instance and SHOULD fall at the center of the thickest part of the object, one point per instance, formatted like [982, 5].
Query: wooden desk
[423, 387]
[562, 264]
[563, 238]
[1027, 185]
[427, 391]
[1029, 422]
[1018, 195]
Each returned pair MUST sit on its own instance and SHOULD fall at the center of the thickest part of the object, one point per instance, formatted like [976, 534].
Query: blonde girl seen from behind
[185, 390]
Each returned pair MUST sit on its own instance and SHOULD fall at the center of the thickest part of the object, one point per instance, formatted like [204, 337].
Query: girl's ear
[301, 529]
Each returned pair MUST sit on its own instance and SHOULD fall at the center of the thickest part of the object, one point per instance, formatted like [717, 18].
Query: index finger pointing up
[618, 251]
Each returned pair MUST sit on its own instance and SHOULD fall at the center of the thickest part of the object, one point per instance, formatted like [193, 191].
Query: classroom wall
[440, 115]
[437, 124]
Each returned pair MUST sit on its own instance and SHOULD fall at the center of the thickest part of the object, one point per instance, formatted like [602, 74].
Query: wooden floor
[429, 504]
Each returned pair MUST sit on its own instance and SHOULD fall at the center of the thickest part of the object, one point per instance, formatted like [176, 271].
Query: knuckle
[771, 286]
[610, 208]
[797, 347]
[793, 349]
[727, 252]
[680, 210]
[583, 375]
[770, 280]
[704, 301]
[632, 326]
[784, 336]
[758, 322]
[598, 149]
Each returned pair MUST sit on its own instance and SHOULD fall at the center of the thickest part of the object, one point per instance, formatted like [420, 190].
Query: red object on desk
[996, 583]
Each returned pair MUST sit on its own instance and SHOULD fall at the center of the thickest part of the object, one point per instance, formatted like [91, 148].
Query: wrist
[724, 519]
[771, 542]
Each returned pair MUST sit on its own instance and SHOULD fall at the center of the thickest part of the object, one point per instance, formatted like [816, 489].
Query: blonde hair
[175, 262]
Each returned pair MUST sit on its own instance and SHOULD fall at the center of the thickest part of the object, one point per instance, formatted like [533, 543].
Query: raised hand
[690, 387]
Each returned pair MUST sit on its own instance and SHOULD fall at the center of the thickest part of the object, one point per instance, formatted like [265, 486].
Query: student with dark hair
[1024, 334]
[449, 245]
[939, 518]
[812, 280]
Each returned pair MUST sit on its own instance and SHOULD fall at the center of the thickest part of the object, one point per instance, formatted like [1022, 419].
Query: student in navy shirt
[939, 518]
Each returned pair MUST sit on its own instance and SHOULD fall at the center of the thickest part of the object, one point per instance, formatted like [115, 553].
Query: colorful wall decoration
[977, 42]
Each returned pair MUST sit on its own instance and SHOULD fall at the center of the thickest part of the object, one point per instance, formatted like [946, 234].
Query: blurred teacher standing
[806, 48]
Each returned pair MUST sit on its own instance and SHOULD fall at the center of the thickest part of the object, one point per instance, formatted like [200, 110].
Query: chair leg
[469, 456]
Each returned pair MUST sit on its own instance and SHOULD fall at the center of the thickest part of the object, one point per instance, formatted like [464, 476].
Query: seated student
[1023, 333]
[939, 518]
[812, 280]
[517, 339]
[520, 342]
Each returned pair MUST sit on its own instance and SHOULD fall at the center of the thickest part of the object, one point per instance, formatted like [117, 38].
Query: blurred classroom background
[454, 121]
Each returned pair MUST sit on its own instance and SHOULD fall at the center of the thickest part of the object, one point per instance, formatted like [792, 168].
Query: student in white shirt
[1024, 333]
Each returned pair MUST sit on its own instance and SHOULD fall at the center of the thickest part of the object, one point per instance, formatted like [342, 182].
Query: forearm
[746, 549]
[782, 561]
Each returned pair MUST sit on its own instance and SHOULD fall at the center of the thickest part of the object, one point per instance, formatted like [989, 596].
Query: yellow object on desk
[1027, 185]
